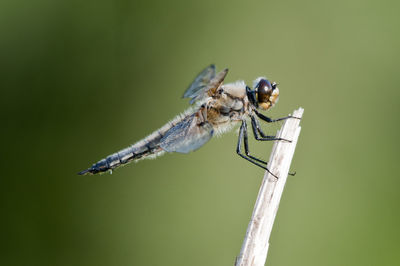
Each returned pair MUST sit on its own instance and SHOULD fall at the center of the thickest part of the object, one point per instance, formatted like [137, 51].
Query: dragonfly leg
[255, 124]
[246, 145]
[247, 156]
[257, 130]
[269, 120]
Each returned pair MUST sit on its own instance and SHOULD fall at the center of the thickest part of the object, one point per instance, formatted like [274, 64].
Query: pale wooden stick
[255, 245]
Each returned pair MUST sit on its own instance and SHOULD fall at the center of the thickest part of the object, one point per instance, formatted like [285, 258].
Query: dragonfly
[216, 108]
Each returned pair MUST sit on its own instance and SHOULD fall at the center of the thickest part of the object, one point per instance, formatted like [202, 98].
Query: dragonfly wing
[211, 87]
[188, 135]
[200, 83]
[216, 82]
[205, 84]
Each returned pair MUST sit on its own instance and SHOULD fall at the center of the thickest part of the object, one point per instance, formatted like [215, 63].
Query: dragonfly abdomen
[144, 148]
[148, 147]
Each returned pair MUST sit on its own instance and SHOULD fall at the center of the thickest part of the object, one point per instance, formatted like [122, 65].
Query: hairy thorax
[228, 105]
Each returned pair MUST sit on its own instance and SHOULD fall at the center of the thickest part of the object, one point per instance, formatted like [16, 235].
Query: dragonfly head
[267, 93]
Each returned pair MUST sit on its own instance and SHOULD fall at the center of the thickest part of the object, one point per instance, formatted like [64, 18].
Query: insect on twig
[217, 108]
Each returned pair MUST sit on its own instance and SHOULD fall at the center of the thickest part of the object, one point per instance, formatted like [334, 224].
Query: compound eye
[263, 89]
[263, 85]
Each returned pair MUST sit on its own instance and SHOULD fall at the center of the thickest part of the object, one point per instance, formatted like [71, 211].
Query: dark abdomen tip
[100, 166]
[84, 172]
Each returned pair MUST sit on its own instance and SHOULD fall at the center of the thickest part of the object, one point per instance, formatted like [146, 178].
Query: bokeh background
[83, 79]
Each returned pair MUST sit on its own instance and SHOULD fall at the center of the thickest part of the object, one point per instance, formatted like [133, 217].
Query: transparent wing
[215, 83]
[188, 135]
[199, 83]
[205, 83]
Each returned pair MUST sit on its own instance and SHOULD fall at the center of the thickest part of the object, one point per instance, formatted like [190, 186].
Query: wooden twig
[256, 242]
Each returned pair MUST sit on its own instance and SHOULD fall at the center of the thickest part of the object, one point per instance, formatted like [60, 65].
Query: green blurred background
[82, 79]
